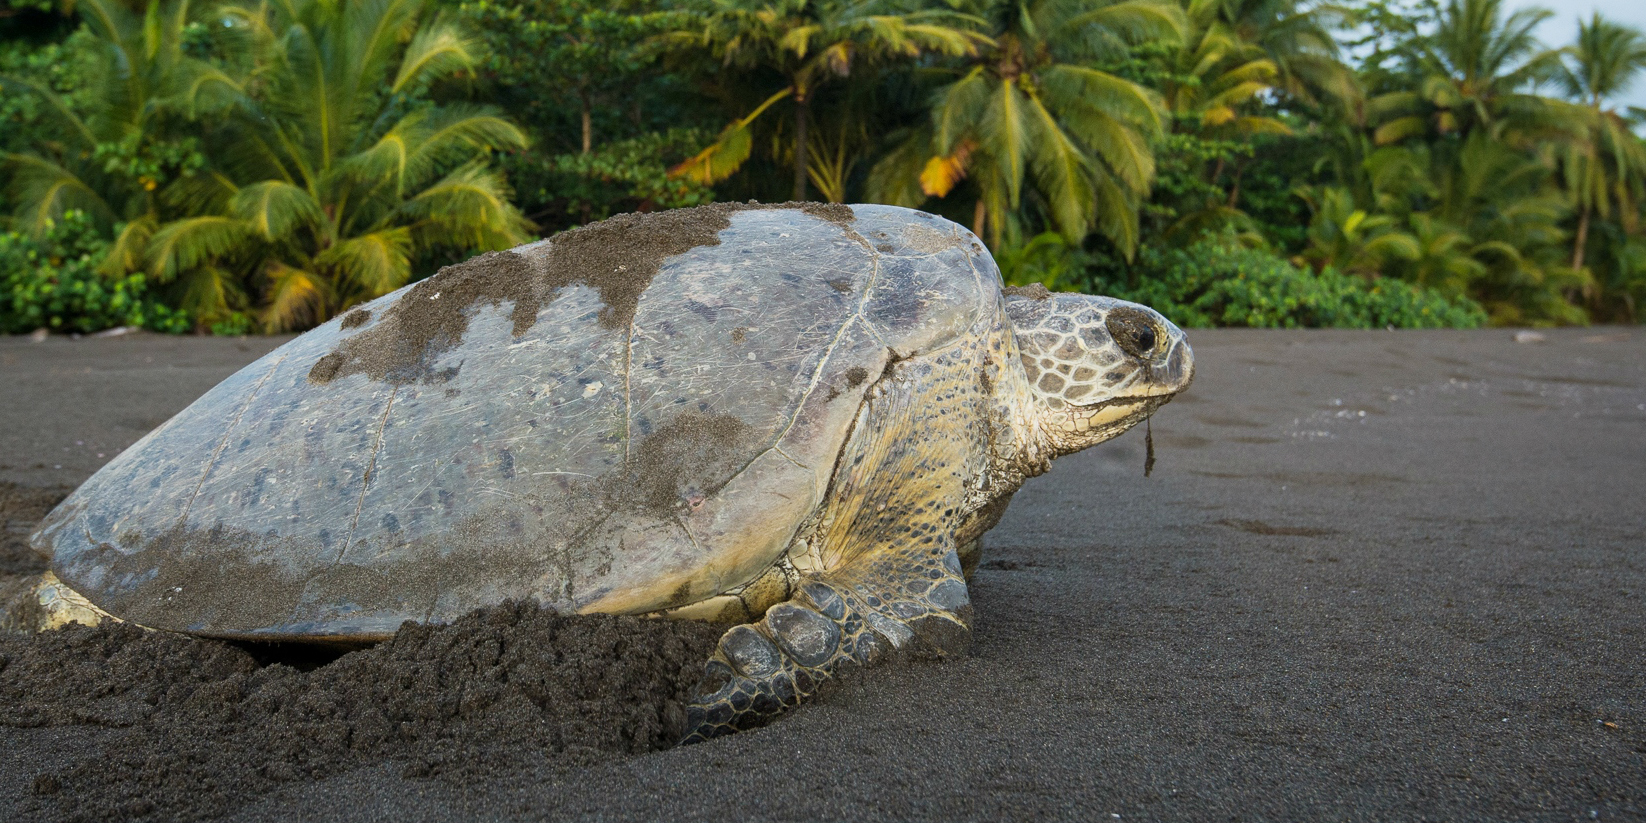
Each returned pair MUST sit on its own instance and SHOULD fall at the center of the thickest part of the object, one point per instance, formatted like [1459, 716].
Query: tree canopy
[264, 166]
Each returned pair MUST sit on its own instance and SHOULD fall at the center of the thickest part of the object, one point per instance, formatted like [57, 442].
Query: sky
[1561, 29]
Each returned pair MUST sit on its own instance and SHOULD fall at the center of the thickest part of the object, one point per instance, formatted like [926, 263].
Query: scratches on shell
[828, 353]
[227, 433]
[365, 478]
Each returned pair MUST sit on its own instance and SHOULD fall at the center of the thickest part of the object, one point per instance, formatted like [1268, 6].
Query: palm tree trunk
[588, 128]
[1582, 238]
[799, 146]
[978, 213]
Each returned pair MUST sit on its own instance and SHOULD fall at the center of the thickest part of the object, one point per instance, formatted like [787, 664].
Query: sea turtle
[798, 420]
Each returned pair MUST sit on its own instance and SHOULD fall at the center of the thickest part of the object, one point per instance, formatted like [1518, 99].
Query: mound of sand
[209, 727]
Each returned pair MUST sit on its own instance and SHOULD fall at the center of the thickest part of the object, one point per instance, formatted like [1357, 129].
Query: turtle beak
[1172, 371]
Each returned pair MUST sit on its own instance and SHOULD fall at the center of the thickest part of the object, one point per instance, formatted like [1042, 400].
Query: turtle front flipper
[45, 603]
[894, 604]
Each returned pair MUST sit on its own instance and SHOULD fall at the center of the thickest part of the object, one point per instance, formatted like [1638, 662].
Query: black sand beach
[1374, 576]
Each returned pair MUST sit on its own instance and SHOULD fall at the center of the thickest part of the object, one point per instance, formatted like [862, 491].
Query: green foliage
[111, 136]
[62, 67]
[265, 166]
[581, 78]
[1034, 114]
[619, 176]
[337, 169]
[1048, 259]
[809, 45]
[1218, 282]
[52, 282]
[565, 68]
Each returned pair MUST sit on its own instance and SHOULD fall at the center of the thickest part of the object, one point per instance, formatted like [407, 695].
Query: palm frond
[273, 208]
[942, 172]
[130, 247]
[1400, 129]
[436, 51]
[468, 208]
[43, 191]
[726, 154]
[75, 127]
[1136, 21]
[1064, 173]
[183, 245]
[370, 265]
[209, 293]
[1003, 133]
[296, 298]
[1068, 86]
[958, 108]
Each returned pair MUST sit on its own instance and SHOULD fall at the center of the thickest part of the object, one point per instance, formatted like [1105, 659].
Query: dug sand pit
[205, 728]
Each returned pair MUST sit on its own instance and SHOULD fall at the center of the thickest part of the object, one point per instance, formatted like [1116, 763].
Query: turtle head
[1096, 366]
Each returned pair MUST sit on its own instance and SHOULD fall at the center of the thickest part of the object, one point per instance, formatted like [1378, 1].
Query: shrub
[1216, 282]
[53, 283]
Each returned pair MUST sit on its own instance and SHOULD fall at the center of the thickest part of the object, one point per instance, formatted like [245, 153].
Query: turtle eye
[1133, 330]
[1144, 339]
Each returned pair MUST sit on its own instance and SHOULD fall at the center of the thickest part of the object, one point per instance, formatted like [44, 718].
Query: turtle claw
[763, 668]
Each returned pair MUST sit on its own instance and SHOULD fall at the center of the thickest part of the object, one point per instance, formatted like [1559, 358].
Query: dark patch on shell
[837, 213]
[892, 359]
[356, 318]
[432, 318]
[854, 378]
[618, 256]
[692, 454]
[1033, 291]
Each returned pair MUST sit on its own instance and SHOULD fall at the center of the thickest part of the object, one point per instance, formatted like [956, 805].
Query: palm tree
[1217, 76]
[1350, 239]
[807, 43]
[1445, 256]
[1033, 110]
[1296, 37]
[119, 162]
[1215, 88]
[1504, 201]
[1473, 73]
[1606, 165]
[334, 169]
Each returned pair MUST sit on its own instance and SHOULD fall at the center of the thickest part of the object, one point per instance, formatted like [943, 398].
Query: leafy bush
[1216, 282]
[53, 283]
[622, 175]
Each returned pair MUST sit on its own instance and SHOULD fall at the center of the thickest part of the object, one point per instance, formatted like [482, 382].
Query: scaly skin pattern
[938, 448]
[880, 573]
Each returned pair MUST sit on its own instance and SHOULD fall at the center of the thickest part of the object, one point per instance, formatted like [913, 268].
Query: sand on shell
[618, 256]
[1374, 576]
